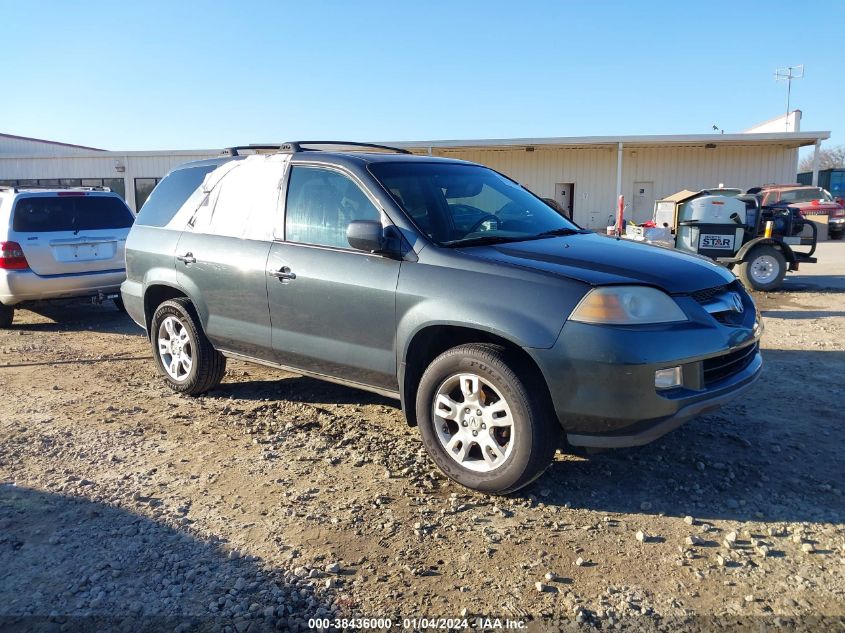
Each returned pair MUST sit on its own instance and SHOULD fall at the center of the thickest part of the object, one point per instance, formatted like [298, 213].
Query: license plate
[721, 242]
[86, 251]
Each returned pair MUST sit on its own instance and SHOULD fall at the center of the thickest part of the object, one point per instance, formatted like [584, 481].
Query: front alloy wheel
[473, 422]
[485, 418]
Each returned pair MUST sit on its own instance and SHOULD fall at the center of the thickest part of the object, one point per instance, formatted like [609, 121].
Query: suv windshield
[461, 205]
[805, 195]
[42, 214]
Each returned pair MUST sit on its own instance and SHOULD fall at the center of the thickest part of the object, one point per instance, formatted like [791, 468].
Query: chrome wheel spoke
[492, 452]
[498, 414]
[470, 386]
[169, 327]
[446, 408]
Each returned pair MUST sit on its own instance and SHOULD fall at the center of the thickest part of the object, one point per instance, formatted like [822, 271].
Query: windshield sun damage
[462, 205]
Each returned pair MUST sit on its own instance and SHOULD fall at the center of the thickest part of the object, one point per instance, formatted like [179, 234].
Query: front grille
[724, 366]
[708, 294]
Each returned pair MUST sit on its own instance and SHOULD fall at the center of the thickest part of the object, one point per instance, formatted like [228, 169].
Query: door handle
[283, 274]
[188, 258]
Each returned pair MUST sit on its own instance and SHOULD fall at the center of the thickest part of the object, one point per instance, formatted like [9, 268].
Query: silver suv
[498, 323]
[60, 243]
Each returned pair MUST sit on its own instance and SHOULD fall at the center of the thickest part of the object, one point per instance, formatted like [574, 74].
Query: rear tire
[182, 352]
[836, 236]
[763, 268]
[7, 314]
[118, 303]
[481, 423]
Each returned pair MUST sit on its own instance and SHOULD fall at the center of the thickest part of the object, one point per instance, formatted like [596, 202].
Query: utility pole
[788, 74]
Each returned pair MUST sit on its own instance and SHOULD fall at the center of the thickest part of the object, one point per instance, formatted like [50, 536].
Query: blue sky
[179, 75]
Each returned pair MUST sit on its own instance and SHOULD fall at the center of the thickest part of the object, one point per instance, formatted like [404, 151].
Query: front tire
[182, 352]
[837, 235]
[763, 268]
[479, 421]
[7, 315]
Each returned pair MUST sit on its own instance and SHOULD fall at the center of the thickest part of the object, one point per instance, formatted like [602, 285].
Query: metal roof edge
[654, 139]
[205, 153]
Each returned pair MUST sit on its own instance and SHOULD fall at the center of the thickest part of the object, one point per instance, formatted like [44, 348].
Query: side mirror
[366, 235]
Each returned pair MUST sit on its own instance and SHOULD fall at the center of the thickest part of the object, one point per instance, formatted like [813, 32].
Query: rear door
[333, 308]
[221, 256]
[71, 232]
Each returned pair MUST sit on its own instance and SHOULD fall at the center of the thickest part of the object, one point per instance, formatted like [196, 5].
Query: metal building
[584, 174]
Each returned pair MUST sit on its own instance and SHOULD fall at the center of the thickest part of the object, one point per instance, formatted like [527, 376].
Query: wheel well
[155, 296]
[430, 342]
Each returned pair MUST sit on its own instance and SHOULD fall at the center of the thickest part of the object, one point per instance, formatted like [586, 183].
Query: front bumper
[601, 378]
[19, 286]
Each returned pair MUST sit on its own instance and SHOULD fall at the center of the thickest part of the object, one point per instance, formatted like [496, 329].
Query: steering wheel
[485, 218]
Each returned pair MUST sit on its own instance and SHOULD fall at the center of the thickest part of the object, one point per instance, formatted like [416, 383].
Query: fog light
[667, 378]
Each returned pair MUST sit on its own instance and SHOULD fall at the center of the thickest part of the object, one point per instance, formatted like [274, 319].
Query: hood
[599, 260]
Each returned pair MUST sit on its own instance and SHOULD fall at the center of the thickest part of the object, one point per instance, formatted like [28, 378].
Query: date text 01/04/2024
[417, 624]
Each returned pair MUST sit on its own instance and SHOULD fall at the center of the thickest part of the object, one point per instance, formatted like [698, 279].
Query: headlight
[627, 305]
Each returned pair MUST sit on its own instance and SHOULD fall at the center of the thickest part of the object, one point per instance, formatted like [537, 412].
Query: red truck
[808, 200]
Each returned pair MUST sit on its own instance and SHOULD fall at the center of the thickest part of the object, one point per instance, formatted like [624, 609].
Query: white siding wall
[670, 168]
[591, 168]
[95, 166]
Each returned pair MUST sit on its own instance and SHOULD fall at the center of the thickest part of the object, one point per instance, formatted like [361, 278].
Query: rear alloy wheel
[183, 354]
[7, 314]
[479, 421]
[763, 268]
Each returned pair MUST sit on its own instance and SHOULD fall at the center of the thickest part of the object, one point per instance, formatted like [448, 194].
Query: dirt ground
[276, 499]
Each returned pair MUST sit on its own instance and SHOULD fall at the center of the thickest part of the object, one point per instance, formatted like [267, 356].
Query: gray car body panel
[352, 317]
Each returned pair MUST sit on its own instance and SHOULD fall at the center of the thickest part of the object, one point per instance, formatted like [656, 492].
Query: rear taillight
[12, 257]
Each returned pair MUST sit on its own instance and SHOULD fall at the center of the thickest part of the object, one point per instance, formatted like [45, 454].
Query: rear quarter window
[45, 214]
[170, 194]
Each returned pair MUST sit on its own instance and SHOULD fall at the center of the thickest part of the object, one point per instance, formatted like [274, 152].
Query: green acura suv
[504, 329]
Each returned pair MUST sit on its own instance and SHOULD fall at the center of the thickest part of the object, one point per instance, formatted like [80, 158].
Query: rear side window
[170, 194]
[70, 213]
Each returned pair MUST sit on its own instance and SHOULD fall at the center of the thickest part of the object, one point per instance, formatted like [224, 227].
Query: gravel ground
[277, 498]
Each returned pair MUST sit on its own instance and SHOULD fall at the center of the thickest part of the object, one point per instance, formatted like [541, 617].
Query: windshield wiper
[481, 241]
[561, 231]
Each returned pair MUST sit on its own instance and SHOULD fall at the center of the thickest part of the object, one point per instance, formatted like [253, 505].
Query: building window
[143, 188]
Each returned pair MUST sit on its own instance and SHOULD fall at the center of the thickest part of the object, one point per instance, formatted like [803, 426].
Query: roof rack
[297, 146]
[17, 188]
[235, 150]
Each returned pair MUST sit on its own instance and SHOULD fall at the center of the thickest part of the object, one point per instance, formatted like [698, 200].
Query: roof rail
[17, 188]
[297, 146]
[235, 150]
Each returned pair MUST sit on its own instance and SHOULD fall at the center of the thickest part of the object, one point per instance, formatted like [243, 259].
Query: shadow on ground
[299, 389]
[76, 314]
[70, 564]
